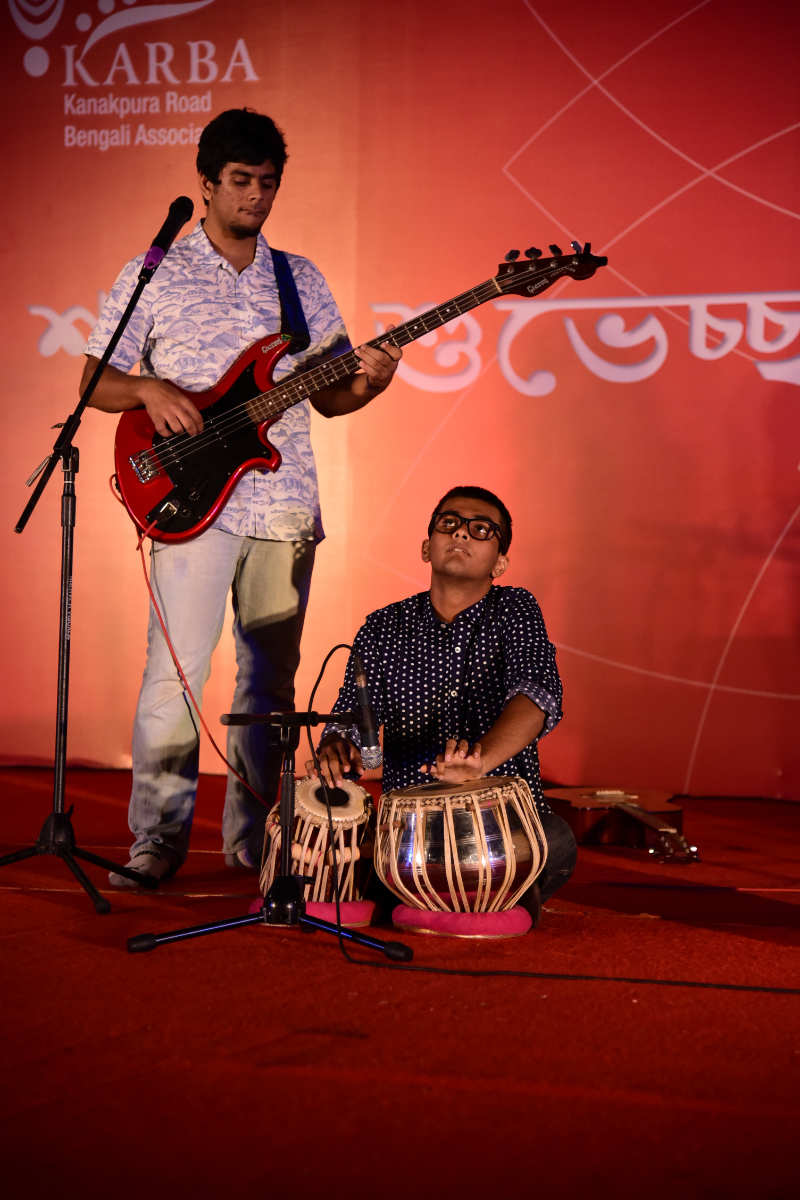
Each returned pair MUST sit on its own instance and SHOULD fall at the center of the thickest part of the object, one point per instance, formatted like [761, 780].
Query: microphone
[371, 755]
[179, 213]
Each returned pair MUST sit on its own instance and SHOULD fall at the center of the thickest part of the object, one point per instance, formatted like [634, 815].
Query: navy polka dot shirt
[430, 680]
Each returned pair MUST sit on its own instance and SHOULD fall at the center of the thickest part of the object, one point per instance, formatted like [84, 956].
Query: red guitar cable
[145, 533]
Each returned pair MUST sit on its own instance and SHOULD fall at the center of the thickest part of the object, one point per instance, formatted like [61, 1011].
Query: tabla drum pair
[457, 856]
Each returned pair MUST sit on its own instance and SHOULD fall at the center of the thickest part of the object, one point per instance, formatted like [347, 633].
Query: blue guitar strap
[293, 319]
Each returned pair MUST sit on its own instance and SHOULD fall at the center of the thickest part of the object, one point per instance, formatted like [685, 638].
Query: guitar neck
[674, 846]
[300, 387]
[523, 278]
[647, 818]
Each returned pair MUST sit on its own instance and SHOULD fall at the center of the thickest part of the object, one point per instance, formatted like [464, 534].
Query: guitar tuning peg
[576, 246]
[554, 249]
[512, 256]
[587, 249]
[533, 252]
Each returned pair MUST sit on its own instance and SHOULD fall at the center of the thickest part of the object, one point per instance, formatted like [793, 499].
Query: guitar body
[608, 817]
[192, 477]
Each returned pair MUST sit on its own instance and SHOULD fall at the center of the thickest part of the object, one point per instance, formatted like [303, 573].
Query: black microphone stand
[283, 904]
[57, 836]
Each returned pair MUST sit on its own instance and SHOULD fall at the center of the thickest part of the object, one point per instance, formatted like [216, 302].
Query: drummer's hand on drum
[458, 762]
[337, 756]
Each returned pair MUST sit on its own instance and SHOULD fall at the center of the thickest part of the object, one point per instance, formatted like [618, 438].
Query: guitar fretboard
[291, 391]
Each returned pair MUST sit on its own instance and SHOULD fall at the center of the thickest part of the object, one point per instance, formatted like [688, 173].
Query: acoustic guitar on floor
[173, 487]
[612, 817]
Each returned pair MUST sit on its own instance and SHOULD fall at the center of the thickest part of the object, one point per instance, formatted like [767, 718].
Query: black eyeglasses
[480, 528]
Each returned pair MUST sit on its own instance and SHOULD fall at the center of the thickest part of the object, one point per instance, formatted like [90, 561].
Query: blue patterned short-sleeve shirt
[195, 317]
[430, 680]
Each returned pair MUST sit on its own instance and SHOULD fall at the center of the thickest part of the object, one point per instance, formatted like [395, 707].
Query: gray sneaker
[146, 862]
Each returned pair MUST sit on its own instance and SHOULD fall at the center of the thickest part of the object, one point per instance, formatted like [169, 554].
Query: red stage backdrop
[642, 425]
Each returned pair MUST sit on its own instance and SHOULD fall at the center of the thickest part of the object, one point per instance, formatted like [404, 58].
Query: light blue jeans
[269, 582]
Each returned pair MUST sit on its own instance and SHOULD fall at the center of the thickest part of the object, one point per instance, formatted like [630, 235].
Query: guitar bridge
[145, 466]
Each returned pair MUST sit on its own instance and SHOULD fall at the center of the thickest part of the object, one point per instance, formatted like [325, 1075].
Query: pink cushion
[513, 922]
[354, 912]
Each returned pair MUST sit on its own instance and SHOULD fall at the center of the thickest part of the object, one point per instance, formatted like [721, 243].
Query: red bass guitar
[173, 487]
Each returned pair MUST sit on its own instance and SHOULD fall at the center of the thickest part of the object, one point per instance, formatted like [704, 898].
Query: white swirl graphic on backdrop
[36, 19]
[47, 17]
[139, 16]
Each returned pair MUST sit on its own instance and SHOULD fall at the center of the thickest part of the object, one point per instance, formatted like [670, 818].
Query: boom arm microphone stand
[57, 836]
[283, 904]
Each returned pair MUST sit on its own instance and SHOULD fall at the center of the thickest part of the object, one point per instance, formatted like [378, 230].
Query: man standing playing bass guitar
[215, 294]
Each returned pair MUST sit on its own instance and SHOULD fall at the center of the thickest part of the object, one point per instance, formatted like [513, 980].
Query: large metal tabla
[466, 847]
[313, 853]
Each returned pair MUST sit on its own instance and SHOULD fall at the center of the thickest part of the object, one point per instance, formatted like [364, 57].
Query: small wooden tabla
[471, 847]
[313, 854]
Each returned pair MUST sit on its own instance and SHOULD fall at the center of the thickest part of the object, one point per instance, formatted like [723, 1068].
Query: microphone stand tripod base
[283, 905]
[57, 837]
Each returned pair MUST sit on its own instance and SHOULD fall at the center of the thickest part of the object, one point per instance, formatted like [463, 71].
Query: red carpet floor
[643, 1041]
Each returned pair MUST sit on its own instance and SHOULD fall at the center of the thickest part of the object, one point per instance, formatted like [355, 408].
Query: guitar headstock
[673, 847]
[534, 273]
